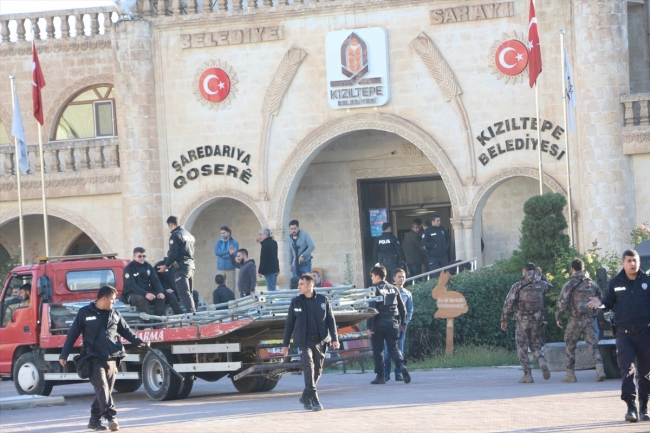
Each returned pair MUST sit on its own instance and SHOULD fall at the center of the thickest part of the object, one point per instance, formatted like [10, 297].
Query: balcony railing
[636, 108]
[636, 123]
[64, 156]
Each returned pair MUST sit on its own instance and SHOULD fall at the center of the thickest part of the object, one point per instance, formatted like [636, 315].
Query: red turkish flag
[534, 50]
[38, 82]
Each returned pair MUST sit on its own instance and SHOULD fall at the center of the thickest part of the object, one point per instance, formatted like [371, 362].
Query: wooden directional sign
[450, 305]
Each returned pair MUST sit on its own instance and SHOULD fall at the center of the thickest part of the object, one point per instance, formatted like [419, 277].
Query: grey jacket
[305, 247]
[247, 275]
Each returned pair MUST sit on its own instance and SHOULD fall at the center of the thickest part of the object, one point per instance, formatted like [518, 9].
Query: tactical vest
[531, 298]
[580, 297]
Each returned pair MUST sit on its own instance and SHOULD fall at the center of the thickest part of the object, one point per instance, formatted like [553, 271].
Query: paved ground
[459, 400]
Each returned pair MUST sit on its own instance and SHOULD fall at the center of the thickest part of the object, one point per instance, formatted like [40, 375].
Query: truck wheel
[159, 383]
[269, 384]
[609, 361]
[27, 377]
[186, 386]
[249, 383]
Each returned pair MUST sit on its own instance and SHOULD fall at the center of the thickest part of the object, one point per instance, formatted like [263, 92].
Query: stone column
[468, 228]
[283, 258]
[601, 70]
[459, 243]
[143, 221]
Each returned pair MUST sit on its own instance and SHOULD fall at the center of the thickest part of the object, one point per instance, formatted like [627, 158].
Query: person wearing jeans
[269, 266]
[400, 278]
[301, 247]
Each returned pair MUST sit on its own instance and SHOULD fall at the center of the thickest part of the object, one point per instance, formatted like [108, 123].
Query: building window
[4, 135]
[90, 114]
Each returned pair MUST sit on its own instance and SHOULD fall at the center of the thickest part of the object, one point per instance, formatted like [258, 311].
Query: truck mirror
[44, 288]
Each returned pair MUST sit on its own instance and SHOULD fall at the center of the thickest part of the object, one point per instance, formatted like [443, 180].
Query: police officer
[387, 250]
[574, 298]
[628, 295]
[141, 285]
[180, 258]
[386, 325]
[312, 324]
[169, 287]
[436, 241]
[527, 296]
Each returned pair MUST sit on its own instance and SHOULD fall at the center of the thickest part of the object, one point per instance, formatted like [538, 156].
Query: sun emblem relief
[215, 84]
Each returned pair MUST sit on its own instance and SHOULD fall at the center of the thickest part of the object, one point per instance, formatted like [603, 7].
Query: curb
[25, 401]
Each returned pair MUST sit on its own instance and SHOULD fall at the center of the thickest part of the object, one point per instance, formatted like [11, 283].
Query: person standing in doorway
[222, 251]
[387, 250]
[311, 322]
[180, 258]
[413, 252]
[301, 247]
[269, 266]
[436, 240]
[400, 278]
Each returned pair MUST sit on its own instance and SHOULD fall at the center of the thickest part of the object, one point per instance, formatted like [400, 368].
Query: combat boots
[316, 406]
[96, 424]
[570, 376]
[632, 414]
[643, 411]
[527, 378]
[306, 402]
[379, 380]
[600, 372]
[542, 365]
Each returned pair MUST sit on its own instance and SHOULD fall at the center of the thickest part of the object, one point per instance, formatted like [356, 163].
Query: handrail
[472, 262]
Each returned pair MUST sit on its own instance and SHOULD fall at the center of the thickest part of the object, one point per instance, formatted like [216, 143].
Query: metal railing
[428, 275]
[636, 109]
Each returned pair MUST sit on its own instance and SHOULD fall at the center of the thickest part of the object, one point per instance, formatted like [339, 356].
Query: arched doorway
[205, 223]
[82, 245]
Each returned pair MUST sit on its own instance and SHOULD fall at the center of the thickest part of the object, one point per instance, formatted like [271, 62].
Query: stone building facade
[237, 113]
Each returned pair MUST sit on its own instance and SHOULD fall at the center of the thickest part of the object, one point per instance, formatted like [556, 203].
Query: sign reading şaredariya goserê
[521, 142]
[233, 166]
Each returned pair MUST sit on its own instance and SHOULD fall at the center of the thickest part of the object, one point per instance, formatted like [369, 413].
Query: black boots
[379, 380]
[643, 412]
[316, 406]
[96, 424]
[632, 414]
[405, 375]
[306, 402]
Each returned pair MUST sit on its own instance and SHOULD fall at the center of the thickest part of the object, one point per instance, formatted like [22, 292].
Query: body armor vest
[531, 298]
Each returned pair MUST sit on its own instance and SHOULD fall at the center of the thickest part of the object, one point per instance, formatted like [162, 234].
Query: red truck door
[18, 324]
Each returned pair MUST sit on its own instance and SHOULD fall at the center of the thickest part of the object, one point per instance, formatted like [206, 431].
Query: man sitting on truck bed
[142, 286]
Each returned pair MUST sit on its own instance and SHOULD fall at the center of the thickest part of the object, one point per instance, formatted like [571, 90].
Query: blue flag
[570, 92]
[18, 132]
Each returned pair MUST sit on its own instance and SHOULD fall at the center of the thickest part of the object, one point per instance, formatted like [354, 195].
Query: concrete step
[23, 401]
[555, 354]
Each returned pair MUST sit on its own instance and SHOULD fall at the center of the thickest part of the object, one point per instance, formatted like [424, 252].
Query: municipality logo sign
[357, 68]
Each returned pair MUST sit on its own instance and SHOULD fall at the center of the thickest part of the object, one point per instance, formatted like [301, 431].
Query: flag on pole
[18, 132]
[38, 82]
[534, 50]
[570, 92]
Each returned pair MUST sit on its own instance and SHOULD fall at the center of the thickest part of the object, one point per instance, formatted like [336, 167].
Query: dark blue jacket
[630, 301]
[297, 322]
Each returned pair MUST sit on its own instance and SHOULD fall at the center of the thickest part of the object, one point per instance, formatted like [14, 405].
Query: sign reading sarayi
[232, 37]
[472, 13]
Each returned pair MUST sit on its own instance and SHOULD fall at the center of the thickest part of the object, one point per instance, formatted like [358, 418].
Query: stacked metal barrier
[263, 305]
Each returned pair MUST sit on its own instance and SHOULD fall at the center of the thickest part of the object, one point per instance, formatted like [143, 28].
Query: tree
[542, 238]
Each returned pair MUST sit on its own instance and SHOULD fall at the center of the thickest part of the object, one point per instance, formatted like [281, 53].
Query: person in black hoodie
[222, 293]
[628, 296]
[311, 322]
[168, 284]
[269, 265]
[101, 328]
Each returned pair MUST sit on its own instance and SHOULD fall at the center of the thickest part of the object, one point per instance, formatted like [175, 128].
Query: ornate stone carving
[64, 214]
[67, 181]
[629, 137]
[444, 76]
[274, 94]
[356, 122]
[57, 46]
[190, 212]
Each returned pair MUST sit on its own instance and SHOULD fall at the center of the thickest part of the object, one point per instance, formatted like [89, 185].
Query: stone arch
[308, 147]
[9, 246]
[188, 217]
[487, 187]
[65, 215]
[65, 95]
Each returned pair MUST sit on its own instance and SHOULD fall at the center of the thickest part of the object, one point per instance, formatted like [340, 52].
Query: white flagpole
[42, 159]
[20, 199]
[566, 138]
[539, 141]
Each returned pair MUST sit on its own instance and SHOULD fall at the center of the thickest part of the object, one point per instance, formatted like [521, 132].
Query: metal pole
[539, 140]
[42, 160]
[20, 199]
[566, 138]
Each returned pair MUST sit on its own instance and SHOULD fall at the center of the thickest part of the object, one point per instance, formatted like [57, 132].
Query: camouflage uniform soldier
[527, 297]
[574, 299]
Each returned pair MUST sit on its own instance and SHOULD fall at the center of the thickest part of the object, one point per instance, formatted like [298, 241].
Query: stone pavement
[458, 400]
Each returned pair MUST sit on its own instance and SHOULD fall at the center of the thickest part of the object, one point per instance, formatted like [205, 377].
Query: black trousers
[629, 347]
[142, 304]
[311, 357]
[103, 380]
[388, 331]
[182, 278]
[390, 265]
[437, 262]
[171, 299]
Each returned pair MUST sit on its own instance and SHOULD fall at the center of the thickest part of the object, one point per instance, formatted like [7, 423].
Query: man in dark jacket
[413, 252]
[247, 273]
[269, 265]
[311, 322]
[100, 327]
[222, 293]
[386, 325]
[180, 258]
[628, 296]
[436, 241]
[169, 287]
[142, 286]
[387, 250]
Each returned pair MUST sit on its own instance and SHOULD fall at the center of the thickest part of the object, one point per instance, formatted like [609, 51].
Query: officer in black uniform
[387, 251]
[435, 240]
[386, 325]
[169, 287]
[628, 295]
[180, 258]
[312, 324]
[141, 285]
